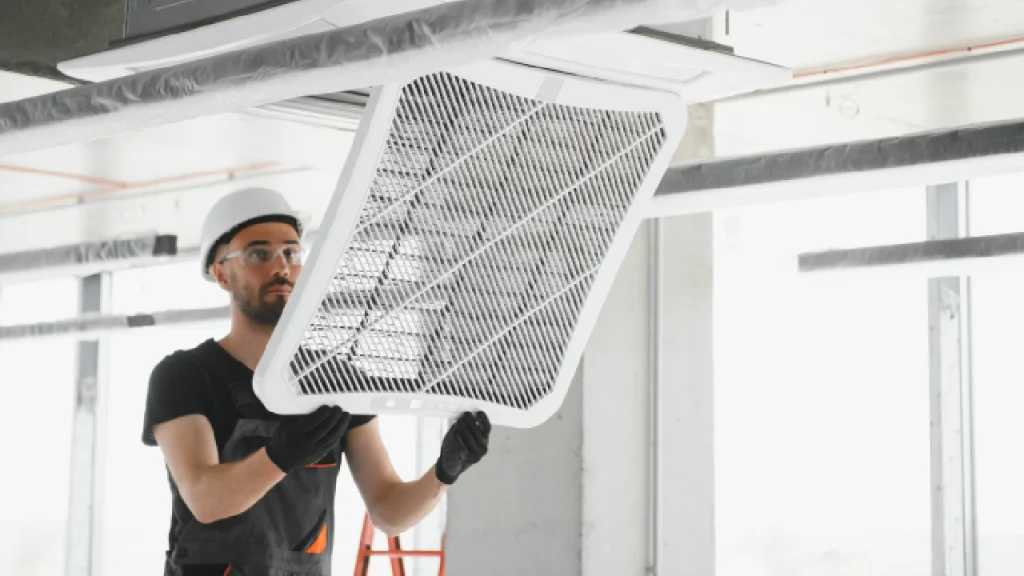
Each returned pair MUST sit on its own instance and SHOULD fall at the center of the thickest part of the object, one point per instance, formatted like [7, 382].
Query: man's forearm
[226, 490]
[405, 504]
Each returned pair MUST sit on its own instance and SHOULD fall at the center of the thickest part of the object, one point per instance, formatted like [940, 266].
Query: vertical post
[953, 549]
[655, 414]
[81, 501]
[967, 402]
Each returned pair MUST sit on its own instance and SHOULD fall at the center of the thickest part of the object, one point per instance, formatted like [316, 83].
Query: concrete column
[688, 465]
[615, 425]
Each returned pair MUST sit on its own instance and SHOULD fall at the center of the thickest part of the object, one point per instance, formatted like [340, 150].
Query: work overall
[289, 532]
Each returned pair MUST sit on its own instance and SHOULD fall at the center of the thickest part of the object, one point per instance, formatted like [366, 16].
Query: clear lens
[263, 255]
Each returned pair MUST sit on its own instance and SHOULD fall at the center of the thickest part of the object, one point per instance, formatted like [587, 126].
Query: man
[253, 492]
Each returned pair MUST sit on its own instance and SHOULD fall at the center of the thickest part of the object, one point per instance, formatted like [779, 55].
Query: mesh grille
[485, 224]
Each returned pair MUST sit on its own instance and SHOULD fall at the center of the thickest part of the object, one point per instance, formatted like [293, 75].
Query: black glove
[464, 445]
[302, 440]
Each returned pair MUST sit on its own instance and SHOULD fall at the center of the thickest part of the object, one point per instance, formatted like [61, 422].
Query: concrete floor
[37, 34]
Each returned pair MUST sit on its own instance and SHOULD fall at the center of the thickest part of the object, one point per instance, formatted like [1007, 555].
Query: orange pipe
[181, 178]
[911, 58]
[64, 175]
[113, 186]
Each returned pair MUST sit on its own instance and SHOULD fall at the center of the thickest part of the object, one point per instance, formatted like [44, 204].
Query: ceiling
[159, 180]
[813, 35]
[162, 180]
[873, 69]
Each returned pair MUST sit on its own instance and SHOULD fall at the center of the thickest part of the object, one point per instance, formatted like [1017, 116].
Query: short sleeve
[177, 387]
[360, 420]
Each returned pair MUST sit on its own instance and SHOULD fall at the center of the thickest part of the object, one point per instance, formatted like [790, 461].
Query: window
[134, 487]
[821, 394]
[166, 287]
[39, 383]
[134, 475]
[414, 444]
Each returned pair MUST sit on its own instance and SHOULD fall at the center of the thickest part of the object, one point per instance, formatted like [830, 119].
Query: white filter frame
[271, 379]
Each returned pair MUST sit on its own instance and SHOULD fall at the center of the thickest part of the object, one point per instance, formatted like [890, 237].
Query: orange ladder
[394, 552]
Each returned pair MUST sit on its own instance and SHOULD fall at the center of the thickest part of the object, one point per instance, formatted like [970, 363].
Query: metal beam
[853, 167]
[953, 549]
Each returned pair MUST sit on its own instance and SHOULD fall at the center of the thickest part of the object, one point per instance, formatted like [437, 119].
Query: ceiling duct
[87, 258]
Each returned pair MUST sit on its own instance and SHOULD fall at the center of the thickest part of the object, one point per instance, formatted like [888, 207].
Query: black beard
[255, 309]
[263, 313]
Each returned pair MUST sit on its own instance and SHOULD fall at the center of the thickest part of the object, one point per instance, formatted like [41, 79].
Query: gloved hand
[464, 445]
[303, 440]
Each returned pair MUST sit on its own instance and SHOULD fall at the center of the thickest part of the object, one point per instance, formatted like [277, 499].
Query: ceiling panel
[866, 108]
[816, 34]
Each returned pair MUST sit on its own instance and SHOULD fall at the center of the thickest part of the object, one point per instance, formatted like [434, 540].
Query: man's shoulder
[177, 387]
[180, 362]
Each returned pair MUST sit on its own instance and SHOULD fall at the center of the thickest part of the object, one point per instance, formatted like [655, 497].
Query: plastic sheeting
[846, 157]
[934, 258]
[396, 48]
[848, 167]
[89, 254]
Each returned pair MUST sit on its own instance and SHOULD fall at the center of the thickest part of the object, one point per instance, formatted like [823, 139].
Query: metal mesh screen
[487, 219]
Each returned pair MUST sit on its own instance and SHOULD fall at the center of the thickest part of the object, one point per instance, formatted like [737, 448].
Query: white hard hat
[233, 211]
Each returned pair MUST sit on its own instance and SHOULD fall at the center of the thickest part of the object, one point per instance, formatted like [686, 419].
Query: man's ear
[220, 274]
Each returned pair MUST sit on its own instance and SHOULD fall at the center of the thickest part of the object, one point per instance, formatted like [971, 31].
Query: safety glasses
[262, 255]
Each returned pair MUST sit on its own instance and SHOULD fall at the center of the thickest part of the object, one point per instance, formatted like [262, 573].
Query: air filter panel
[467, 250]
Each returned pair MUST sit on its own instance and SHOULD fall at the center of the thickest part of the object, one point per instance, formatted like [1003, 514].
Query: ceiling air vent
[475, 231]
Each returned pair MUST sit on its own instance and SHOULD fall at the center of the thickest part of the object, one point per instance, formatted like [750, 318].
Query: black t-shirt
[179, 386]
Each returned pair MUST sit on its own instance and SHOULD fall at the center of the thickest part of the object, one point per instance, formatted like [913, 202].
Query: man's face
[257, 274]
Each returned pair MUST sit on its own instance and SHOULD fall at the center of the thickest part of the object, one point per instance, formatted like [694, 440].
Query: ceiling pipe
[112, 187]
[892, 66]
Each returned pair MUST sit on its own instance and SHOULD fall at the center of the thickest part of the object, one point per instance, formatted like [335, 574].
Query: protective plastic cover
[393, 49]
[468, 248]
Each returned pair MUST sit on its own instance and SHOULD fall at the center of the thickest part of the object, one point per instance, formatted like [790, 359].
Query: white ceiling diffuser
[471, 241]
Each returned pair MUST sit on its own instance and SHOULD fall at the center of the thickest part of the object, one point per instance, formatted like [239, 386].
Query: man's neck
[247, 341]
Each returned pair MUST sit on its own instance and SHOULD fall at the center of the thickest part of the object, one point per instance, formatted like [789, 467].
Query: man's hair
[226, 237]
